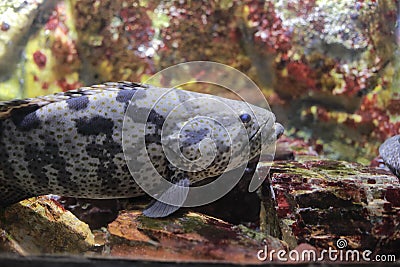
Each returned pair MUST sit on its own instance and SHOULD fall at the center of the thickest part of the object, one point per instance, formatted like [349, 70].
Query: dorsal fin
[32, 104]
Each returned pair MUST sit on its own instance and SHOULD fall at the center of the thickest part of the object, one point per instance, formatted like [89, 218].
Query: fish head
[212, 135]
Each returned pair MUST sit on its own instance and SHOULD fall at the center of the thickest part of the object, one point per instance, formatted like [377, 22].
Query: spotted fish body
[71, 143]
[390, 153]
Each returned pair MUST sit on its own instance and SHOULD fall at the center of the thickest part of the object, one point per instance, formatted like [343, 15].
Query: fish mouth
[279, 130]
[270, 136]
[267, 136]
[259, 131]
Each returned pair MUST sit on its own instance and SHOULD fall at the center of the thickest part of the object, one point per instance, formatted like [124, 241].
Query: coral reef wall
[328, 68]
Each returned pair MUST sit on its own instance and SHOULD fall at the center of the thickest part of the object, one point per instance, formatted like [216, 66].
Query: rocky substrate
[307, 204]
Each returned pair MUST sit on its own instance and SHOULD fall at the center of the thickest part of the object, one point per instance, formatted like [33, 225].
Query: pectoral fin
[177, 193]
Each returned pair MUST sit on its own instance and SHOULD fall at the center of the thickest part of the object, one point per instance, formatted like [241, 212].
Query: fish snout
[279, 130]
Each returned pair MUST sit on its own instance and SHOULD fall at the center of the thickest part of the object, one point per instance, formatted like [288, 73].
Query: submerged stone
[319, 202]
[40, 225]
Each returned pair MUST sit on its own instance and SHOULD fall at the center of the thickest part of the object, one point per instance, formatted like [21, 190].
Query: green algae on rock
[17, 17]
[320, 201]
[190, 237]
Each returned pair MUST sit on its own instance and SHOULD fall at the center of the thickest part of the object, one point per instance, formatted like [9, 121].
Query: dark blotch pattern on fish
[153, 136]
[78, 103]
[133, 163]
[156, 119]
[125, 85]
[125, 96]
[31, 121]
[95, 125]
[194, 137]
[10, 193]
[153, 118]
[105, 154]
[25, 118]
[38, 159]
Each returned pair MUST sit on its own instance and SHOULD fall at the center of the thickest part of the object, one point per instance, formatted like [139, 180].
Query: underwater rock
[313, 203]
[17, 18]
[9, 245]
[189, 237]
[320, 201]
[321, 33]
[335, 65]
[96, 213]
[50, 59]
[40, 225]
[238, 206]
[390, 152]
[329, 67]
[116, 39]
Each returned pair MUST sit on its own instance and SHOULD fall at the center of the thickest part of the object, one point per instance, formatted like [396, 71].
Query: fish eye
[245, 118]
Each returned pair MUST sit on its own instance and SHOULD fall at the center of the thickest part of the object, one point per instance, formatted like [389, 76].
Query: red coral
[212, 34]
[124, 37]
[65, 51]
[370, 113]
[5, 26]
[300, 78]
[352, 85]
[323, 114]
[40, 59]
[269, 32]
[57, 19]
[284, 208]
[301, 8]
[65, 86]
[53, 21]
[303, 73]
[394, 106]
[45, 85]
[137, 27]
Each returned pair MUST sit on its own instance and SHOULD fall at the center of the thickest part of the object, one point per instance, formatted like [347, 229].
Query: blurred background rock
[329, 69]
